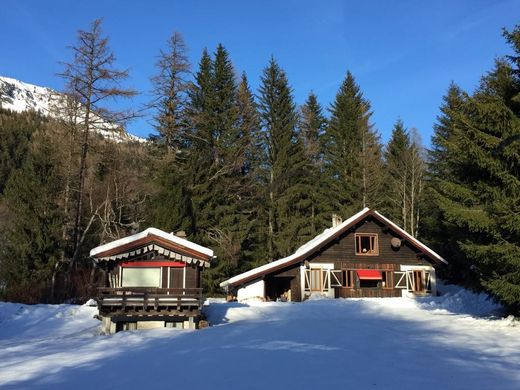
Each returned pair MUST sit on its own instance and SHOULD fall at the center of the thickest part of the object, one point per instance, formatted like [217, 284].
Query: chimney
[336, 220]
[181, 234]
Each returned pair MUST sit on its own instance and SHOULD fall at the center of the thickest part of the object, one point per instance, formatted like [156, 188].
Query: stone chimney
[336, 220]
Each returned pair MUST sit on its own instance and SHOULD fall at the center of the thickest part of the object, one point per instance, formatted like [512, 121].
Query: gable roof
[153, 239]
[328, 235]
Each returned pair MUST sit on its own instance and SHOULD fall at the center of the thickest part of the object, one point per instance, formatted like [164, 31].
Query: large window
[366, 244]
[141, 277]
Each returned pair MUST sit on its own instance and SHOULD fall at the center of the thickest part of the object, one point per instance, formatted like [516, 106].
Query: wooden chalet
[153, 279]
[364, 256]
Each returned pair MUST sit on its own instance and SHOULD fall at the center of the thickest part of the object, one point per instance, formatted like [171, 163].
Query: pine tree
[170, 92]
[312, 129]
[31, 236]
[396, 159]
[353, 157]
[285, 161]
[479, 203]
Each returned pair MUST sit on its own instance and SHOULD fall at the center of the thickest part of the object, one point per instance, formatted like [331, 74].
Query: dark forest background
[249, 173]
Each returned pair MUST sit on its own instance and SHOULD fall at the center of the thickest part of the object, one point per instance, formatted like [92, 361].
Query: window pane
[141, 277]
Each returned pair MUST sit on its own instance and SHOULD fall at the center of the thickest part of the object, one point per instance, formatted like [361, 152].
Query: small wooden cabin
[153, 279]
[364, 256]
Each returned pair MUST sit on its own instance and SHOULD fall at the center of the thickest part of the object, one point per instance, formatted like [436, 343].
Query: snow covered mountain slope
[455, 341]
[18, 96]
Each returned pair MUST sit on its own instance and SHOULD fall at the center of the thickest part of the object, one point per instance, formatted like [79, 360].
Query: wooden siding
[176, 277]
[192, 276]
[343, 249]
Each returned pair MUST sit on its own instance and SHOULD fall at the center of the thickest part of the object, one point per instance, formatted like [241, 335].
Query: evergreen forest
[250, 173]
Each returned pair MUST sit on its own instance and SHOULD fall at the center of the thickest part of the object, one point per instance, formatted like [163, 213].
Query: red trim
[369, 274]
[176, 264]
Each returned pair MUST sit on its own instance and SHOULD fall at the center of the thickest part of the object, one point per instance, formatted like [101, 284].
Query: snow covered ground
[455, 341]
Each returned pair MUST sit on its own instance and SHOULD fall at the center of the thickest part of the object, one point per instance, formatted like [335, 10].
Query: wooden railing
[147, 298]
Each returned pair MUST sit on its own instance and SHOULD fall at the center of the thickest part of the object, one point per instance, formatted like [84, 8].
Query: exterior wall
[252, 290]
[340, 255]
[343, 249]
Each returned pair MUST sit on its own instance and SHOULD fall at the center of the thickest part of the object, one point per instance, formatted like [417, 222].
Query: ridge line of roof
[145, 233]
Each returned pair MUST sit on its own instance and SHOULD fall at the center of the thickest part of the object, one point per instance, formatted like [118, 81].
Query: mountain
[18, 96]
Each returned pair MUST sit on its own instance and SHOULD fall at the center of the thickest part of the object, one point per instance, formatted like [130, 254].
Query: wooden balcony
[149, 301]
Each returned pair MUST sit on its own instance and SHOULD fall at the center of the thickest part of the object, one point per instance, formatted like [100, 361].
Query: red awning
[369, 274]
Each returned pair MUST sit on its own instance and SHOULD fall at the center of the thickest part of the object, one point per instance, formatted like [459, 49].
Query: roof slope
[328, 234]
[150, 232]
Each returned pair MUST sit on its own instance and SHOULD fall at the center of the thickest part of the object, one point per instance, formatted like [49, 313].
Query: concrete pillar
[132, 325]
[169, 324]
[113, 327]
[178, 325]
[105, 325]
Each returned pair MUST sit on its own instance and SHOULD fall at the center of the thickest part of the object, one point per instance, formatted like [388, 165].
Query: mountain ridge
[19, 96]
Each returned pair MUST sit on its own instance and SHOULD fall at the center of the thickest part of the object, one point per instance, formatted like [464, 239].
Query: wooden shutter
[307, 280]
[325, 277]
[400, 276]
[410, 282]
[336, 278]
[427, 281]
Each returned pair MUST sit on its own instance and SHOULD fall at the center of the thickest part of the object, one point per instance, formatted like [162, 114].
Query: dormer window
[366, 244]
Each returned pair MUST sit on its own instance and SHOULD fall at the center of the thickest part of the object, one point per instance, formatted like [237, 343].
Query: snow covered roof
[328, 234]
[107, 251]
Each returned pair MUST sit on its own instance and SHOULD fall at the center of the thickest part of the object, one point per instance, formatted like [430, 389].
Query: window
[348, 279]
[366, 244]
[141, 277]
[315, 279]
[368, 283]
[418, 285]
[387, 280]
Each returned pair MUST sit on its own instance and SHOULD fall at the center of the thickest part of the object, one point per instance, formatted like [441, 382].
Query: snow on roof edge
[304, 249]
[412, 238]
[157, 232]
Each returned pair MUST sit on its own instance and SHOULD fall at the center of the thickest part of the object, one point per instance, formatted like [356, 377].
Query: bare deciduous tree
[92, 78]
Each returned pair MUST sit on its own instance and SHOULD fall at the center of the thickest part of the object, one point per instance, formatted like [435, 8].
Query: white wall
[255, 289]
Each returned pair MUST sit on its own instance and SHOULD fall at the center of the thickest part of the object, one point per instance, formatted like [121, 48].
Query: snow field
[456, 341]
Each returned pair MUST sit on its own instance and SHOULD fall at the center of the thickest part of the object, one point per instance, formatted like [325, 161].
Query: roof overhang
[150, 240]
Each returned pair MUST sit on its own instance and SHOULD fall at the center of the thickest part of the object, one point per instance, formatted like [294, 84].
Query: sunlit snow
[456, 341]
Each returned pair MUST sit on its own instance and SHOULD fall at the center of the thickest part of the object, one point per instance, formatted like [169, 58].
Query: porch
[148, 300]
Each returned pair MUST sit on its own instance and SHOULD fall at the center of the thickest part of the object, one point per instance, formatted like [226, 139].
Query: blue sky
[403, 54]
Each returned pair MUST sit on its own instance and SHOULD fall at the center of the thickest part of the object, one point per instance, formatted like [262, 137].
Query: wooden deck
[149, 301]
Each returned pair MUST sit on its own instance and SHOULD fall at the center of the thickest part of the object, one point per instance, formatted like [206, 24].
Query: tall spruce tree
[312, 129]
[170, 92]
[285, 162]
[247, 211]
[396, 160]
[170, 203]
[31, 241]
[479, 200]
[353, 155]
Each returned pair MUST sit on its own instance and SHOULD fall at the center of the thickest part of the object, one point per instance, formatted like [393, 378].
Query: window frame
[388, 277]
[349, 276]
[374, 244]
